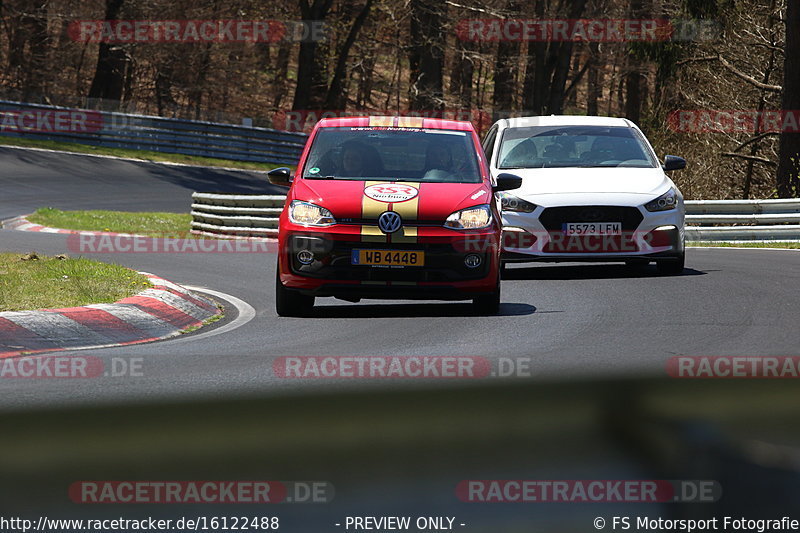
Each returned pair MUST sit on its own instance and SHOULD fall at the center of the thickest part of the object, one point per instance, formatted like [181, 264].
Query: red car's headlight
[309, 214]
[477, 217]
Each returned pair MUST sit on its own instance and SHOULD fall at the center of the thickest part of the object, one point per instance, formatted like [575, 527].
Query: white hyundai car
[592, 190]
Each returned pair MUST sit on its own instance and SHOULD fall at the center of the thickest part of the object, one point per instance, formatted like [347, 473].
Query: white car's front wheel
[672, 266]
[637, 263]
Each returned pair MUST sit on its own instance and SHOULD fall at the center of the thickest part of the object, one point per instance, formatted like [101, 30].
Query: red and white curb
[21, 223]
[163, 311]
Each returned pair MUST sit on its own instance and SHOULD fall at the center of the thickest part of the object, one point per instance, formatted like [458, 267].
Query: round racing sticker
[391, 192]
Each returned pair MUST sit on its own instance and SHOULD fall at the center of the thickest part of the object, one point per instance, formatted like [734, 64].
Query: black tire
[487, 304]
[671, 267]
[637, 263]
[291, 303]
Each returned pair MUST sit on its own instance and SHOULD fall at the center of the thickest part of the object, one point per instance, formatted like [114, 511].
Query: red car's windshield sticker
[391, 193]
[387, 128]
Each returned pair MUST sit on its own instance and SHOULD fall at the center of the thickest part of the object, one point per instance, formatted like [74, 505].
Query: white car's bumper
[541, 235]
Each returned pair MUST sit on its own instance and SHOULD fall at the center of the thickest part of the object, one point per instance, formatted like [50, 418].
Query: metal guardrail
[248, 215]
[142, 132]
[236, 215]
[743, 220]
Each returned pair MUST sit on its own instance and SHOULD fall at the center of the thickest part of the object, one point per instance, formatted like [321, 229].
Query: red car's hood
[359, 200]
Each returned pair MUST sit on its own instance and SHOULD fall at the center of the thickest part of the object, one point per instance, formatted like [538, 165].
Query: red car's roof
[395, 122]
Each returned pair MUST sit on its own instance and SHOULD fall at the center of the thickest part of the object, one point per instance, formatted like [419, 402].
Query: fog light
[514, 237]
[305, 257]
[661, 236]
[473, 261]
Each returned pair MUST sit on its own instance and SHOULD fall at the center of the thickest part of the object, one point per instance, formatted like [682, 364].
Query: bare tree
[312, 84]
[548, 64]
[426, 55]
[505, 67]
[113, 63]
[788, 178]
[462, 73]
[337, 95]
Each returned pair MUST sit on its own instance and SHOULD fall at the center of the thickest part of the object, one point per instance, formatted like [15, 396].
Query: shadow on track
[438, 310]
[204, 179]
[590, 271]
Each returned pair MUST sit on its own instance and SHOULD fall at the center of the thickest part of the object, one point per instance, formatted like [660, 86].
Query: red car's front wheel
[289, 302]
[488, 304]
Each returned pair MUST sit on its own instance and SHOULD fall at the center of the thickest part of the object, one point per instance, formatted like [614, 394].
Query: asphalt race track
[570, 320]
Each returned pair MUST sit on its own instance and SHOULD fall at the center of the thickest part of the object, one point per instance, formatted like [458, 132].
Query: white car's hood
[576, 186]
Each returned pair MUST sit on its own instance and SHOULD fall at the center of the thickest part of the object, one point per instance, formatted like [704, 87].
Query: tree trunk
[788, 178]
[165, 102]
[337, 93]
[199, 86]
[312, 65]
[16, 42]
[633, 96]
[112, 63]
[595, 81]
[548, 66]
[762, 101]
[264, 56]
[504, 69]
[427, 55]
[281, 73]
[535, 84]
[462, 74]
[34, 87]
[562, 58]
[366, 71]
[634, 77]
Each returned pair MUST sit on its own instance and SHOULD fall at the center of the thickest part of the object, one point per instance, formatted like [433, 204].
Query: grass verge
[206, 322]
[156, 224]
[719, 244]
[32, 281]
[146, 155]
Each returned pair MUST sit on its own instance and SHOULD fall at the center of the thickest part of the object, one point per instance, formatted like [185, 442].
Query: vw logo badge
[389, 222]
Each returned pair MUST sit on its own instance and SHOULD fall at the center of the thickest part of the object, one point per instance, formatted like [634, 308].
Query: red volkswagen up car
[390, 207]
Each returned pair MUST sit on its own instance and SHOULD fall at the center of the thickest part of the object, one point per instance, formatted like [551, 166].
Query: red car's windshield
[435, 155]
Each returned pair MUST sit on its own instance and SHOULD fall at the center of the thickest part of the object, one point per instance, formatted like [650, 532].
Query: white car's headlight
[509, 202]
[665, 202]
[309, 214]
[476, 217]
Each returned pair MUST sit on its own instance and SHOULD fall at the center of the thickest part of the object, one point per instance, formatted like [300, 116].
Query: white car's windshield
[446, 156]
[573, 146]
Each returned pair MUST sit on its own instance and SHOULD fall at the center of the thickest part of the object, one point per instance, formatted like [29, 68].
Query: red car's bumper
[444, 275]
